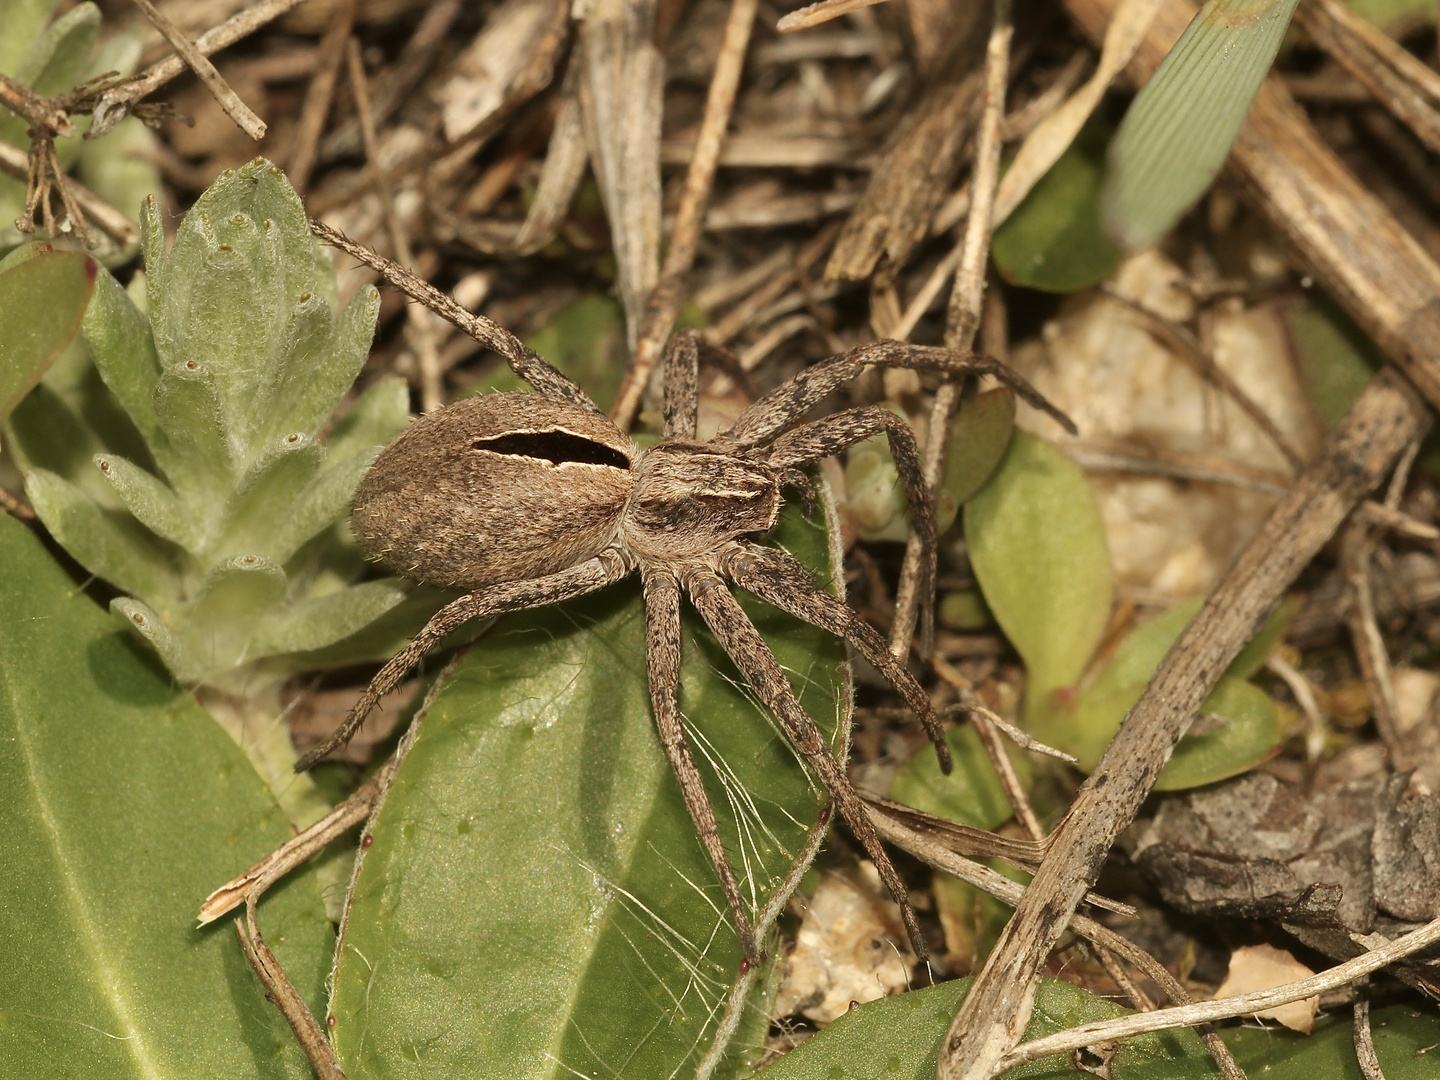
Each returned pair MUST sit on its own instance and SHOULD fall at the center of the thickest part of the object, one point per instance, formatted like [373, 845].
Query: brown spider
[533, 499]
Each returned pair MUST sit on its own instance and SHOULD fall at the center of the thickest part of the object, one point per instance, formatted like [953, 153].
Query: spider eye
[556, 447]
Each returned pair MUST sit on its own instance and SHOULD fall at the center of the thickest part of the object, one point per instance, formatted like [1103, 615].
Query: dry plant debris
[1253, 396]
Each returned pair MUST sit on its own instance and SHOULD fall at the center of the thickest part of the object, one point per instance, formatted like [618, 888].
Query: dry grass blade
[821, 12]
[1394, 77]
[663, 306]
[320, 94]
[205, 71]
[1227, 1007]
[621, 85]
[962, 321]
[117, 101]
[1057, 131]
[918, 170]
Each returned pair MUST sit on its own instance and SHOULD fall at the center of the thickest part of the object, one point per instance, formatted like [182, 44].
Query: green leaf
[153, 504]
[109, 544]
[125, 805]
[1244, 731]
[1246, 722]
[1038, 548]
[323, 620]
[118, 337]
[535, 902]
[1179, 129]
[1053, 240]
[24, 20]
[57, 58]
[898, 1038]
[323, 501]
[264, 499]
[377, 416]
[1335, 359]
[313, 381]
[971, 794]
[979, 435]
[41, 302]
[1394, 16]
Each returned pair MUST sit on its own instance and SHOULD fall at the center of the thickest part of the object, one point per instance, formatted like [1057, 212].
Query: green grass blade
[1179, 129]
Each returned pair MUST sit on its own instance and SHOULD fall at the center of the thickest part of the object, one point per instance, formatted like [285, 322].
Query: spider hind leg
[738, 636]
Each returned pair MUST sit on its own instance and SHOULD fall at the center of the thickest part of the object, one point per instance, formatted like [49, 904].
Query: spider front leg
[782, 581]
[738, 636]
[662, 651]
[828, 437]
[586, 577]
[790, 401]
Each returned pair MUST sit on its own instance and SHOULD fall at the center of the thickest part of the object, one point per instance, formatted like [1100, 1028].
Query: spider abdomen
[497, 487]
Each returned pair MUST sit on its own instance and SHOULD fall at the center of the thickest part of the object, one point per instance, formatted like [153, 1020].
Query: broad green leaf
[1038, 548]
[24, 19]
[1245, 722]
[979, 435]
[898, 1038]
[970, 794]
[1053, 240]
[1335, 359]
[535, 902]
[1179, 129]
[1238, 728]
[124, 806]
[41, 302]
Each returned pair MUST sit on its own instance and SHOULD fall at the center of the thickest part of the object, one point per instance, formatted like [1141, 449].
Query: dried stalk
[663, 306]
[320, 94]
[244, 117]
[1224, 1008]
[962, 322]
[117, 101]
[422, 340]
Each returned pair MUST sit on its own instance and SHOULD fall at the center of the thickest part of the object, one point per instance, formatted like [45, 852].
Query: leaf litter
[1203, 375]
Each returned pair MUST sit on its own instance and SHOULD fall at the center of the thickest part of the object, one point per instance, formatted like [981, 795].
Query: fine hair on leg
[662, 651]
[739, 638]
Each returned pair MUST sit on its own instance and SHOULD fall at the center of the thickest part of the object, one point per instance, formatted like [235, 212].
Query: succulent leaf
[152, 503]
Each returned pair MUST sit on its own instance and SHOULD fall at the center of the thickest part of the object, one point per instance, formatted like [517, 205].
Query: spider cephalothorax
[532, 499]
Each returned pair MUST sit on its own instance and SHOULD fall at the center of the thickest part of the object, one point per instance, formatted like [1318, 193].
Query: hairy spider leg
[828, 436]
[682, 385]
[662, 653]
[605, 569]
[789, 402]
[782, 581]
[738, 636]
[543, 376]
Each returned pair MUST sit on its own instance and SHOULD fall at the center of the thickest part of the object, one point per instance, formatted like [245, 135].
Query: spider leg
[790, 401]
[662, 651]
[682, 385]
[832, 434]
[585, 577]
[737, 634]
[782, 581]
[543, 376]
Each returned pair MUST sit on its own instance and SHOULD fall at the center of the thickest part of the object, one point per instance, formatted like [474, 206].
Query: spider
[529, 500]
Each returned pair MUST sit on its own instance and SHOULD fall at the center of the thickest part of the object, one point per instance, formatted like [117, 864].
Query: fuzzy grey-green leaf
[265, 497]
[374, 418]
[323, 620]
[150, 500]
[118, 337]
[320, 504]
[112, 545]
[314, 393]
